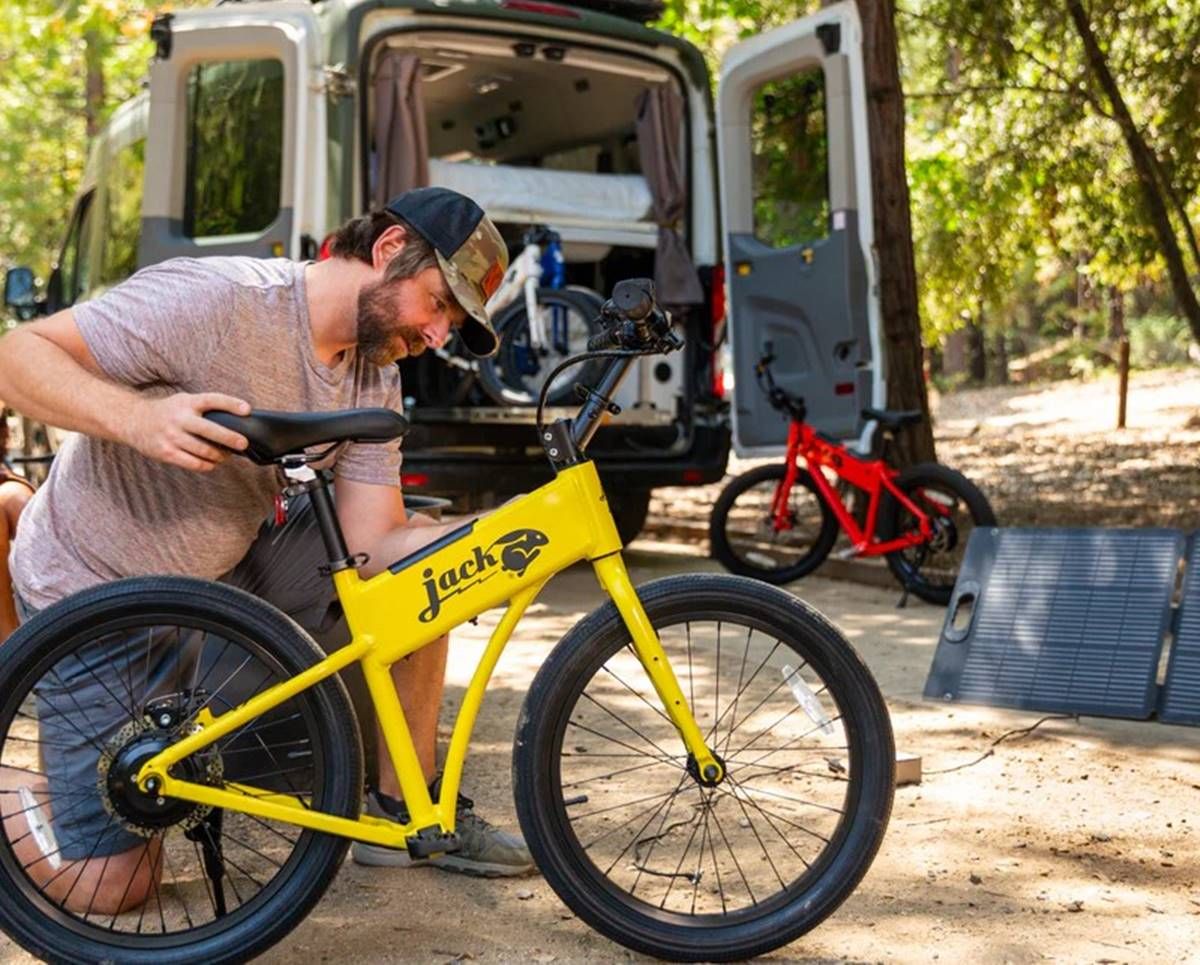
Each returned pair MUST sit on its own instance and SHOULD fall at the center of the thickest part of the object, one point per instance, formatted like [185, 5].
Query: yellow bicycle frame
[508, 555]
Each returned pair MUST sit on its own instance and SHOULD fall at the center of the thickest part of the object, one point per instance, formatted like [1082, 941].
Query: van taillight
[546, 9]
[324, 251]
[717, 321]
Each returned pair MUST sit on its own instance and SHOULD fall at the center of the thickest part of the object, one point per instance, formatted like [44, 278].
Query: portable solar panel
[1059, 620]
[1180, 699]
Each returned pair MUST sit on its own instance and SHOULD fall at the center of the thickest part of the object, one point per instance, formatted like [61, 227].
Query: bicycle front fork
[704, 765]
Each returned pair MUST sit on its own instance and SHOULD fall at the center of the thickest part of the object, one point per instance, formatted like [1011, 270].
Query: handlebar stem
[587, 421]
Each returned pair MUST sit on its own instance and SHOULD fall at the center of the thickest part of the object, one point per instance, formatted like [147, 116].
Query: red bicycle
[779, 522]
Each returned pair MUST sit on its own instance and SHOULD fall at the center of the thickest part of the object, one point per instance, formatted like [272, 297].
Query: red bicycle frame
[872, 476]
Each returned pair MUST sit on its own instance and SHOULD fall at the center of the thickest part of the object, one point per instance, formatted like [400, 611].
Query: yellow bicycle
[703, 767]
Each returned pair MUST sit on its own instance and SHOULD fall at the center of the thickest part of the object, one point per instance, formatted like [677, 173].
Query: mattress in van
[548, 194]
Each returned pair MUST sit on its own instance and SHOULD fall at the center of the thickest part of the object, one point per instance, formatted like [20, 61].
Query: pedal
[846, 553]
[431, 841]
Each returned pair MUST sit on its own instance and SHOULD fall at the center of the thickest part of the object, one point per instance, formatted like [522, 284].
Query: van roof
[542, 13]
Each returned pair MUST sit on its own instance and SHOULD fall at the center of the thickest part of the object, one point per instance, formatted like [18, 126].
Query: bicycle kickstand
[921, 553]
[208, 835]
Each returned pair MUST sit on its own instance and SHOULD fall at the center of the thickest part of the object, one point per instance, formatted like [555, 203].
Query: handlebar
[633, 325]
[792, 405]
[634, 322]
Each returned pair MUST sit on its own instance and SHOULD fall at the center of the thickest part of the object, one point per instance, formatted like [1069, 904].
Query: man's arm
[48, 373]
[374, 521]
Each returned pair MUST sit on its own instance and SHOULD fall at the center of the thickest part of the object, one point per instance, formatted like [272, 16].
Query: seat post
[302, 478]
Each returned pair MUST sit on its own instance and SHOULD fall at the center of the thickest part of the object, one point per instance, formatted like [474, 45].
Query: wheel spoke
[767, 816]
[754, 676]
[658, 710]
[665, 757]
[670, 797]
[624, 723]
[737, 691]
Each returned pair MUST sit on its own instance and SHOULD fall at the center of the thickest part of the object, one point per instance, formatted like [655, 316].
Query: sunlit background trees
[1052, 157]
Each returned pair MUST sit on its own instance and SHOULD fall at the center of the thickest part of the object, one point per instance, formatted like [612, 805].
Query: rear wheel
[955, 506]
[616, 816]
[94, 869]
[745, 539]
[516, 374]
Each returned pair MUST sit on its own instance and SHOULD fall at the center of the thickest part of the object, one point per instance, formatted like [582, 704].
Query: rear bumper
[476, 479]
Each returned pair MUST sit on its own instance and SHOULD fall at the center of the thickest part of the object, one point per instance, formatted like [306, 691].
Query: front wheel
[955, 506]
[745, 539]
[623, 829]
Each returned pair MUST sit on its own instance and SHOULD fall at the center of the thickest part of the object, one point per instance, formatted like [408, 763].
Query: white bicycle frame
[525, 272]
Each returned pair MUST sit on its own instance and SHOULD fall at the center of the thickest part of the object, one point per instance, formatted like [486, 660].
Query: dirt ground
[1045, 455]
[1077, 842]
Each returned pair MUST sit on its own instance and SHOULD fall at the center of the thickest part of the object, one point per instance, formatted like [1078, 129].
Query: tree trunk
[1144, 166]
[977, 348]
[1000, 359]
[954, 355]
[1116, 313]
[1180, 208]
[893, 228]
[94, 82]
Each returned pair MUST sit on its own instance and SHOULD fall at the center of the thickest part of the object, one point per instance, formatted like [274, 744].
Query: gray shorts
[78, 704]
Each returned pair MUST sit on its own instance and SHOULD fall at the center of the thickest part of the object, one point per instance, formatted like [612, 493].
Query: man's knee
[14, 497]
[103, 884]
[106, 885]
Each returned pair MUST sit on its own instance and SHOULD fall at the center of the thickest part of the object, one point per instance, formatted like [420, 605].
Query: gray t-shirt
[234, 325]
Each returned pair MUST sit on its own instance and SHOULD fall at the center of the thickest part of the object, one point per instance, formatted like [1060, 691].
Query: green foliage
[1019, 175]
[1026, 210]
[791, 167]
[236, 163]
[1156, 340]
[49, 52]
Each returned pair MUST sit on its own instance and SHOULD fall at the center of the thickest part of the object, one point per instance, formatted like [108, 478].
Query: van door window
[123, 213]
[790, 178]
[234, 147]
[74, 263]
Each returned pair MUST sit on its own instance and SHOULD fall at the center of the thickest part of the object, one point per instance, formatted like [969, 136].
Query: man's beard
[378, 331]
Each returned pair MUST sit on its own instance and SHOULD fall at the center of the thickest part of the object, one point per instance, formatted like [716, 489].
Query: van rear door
[235, 155]
[797, 215]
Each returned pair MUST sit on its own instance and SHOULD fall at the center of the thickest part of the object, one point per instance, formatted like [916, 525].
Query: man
[150, 486]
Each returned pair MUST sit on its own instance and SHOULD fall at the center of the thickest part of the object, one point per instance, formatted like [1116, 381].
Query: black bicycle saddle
[273, 435]
[894, 418]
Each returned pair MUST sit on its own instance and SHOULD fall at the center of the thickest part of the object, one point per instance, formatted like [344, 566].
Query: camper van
[263, 126]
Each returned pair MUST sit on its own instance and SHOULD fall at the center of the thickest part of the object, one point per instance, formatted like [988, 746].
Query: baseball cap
[470, 252]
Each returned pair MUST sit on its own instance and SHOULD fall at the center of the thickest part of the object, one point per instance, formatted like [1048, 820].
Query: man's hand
[173, 430]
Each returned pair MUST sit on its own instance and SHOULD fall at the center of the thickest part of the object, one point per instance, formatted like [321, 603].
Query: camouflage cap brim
[477, 333]
[473, 273]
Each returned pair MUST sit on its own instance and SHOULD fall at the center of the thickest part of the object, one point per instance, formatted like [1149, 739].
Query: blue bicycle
[541, 322]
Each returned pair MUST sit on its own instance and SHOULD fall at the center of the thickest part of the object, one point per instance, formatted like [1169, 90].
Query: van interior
[544, 133]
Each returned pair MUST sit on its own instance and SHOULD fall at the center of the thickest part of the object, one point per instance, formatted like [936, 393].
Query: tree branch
[989, 89]
[1073, 83]
[1144, 164]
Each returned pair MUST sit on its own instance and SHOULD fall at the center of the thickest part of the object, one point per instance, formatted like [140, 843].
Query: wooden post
[1123, 391]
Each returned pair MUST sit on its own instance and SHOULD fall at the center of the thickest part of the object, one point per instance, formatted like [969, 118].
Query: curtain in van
[401, 139]
[660, 145]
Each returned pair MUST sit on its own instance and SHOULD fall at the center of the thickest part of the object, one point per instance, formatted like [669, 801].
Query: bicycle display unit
[780, 522]
[703, 767]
